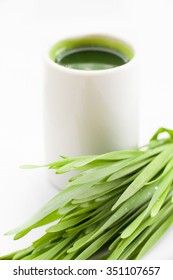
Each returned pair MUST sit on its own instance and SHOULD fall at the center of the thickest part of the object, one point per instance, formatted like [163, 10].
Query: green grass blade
[63, 225]
[128, 170]
[159, 202]
[49, 254]
[160, 131]
[139, 242]
[155, 237]
[55, 203]
[159, 190]
[146, 223]
[147, 174]
[132, 203]
[96, 245]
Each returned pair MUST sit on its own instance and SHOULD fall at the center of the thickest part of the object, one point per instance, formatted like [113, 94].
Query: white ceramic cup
[89, 111]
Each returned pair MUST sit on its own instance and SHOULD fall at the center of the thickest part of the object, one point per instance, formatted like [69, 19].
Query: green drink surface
[91, 58]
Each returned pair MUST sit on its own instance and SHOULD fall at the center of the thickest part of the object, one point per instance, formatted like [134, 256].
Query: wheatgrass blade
[49, 254]
[139, 242]
[159, 190]
[104, 173]
[124, 243]
[96, 245]
[128, 170]
[147, 174]
[155, 237]
[54, 204]
[63, 225]
[159, 202]
[133, 203]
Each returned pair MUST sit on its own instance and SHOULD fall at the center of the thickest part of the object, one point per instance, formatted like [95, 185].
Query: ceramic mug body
[89, 112]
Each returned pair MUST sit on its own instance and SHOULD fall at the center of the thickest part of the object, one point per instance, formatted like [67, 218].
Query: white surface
[27, 28]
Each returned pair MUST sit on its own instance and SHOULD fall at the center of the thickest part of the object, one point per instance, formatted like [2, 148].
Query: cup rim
[78, 72]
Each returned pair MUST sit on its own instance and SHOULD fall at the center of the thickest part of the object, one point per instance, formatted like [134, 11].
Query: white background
[27, 27]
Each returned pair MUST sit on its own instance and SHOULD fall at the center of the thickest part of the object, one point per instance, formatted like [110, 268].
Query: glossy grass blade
[54, 204]
[124, 243]
[138, 200]
[103, 173]
[155, 237]
[147, 174]
[159, 190]
[139, 242]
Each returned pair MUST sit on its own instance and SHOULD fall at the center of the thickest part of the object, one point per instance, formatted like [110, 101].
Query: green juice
[91, 53]
[91, 58]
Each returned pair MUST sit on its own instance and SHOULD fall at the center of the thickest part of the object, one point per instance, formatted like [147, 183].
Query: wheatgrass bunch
[116, 207]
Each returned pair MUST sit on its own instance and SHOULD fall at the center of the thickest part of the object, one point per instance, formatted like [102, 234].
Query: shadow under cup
[90, 98]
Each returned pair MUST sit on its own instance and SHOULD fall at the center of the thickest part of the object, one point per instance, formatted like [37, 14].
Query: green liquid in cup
[91, 58]
[91, 53]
